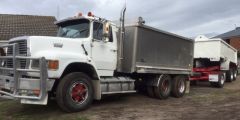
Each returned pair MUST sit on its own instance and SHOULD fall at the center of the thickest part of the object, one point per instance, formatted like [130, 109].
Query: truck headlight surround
[35, 64]
[51, 64]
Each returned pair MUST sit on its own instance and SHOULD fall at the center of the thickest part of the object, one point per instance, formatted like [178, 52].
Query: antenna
[58, 10]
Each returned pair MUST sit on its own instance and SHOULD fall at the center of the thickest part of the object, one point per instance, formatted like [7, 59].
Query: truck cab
[34, 65]
[97, 37]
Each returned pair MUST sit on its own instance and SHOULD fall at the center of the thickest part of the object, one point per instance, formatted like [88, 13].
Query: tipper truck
[92, 57]
[214, 61]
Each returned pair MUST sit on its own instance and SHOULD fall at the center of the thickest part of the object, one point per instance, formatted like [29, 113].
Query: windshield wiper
[64, 33]
[78, 32]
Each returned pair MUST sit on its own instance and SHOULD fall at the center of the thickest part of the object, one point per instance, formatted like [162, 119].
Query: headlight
[52, 64]
[35, 64]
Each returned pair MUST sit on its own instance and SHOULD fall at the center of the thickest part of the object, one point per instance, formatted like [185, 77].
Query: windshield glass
[74, 29]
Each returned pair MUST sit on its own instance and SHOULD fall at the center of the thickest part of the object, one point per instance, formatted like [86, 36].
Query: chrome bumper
[13, 81]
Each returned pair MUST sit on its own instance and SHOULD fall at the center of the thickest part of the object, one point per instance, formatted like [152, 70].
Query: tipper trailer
[92, 57]
[214, 61]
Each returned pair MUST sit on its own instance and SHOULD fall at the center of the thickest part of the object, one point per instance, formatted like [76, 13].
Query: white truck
[214, 61]
[92, 57]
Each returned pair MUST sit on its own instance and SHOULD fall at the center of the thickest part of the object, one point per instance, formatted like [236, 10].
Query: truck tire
[229, 75]
[150, 91]
[234, 74]
[74, 92]
[163, 90]
[220, 83]
[179, 86]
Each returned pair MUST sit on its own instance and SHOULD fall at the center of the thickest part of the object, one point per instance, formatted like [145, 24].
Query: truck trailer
[214, 61]
[92, 57]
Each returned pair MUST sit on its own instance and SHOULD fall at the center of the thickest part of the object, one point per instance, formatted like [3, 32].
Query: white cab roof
[204, 38]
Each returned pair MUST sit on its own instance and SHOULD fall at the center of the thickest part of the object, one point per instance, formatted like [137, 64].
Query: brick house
[232, 38]
[26, 25]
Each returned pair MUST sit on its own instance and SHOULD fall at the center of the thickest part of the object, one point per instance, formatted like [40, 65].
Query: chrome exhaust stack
[121, 38]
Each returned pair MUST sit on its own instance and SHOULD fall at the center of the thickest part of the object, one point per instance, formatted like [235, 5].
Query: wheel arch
[84, 68]
[81, 67]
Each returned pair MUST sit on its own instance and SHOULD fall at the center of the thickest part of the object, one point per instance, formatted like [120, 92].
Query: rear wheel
[234, 74]
[163, 90]
[220, 83]
[179, 86]
[150, 91]
[74, 92]
[230, 75]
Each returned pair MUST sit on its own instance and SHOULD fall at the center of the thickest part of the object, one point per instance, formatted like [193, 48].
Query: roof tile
[26, 25]
[227, 35]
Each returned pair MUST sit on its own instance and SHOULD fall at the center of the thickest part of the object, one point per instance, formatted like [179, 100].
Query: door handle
[113, 50]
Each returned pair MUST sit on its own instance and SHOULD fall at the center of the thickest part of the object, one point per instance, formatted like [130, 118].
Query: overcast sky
[184, 17]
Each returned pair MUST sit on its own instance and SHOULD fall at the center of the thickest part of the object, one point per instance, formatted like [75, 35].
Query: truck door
[104, 52]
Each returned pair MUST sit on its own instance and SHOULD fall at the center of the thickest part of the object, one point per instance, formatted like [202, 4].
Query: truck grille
[22, 51]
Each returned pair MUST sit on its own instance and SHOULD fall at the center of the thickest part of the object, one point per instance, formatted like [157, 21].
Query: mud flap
[97, 89]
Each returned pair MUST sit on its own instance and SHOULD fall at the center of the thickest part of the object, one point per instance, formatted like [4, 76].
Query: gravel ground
[202, 103]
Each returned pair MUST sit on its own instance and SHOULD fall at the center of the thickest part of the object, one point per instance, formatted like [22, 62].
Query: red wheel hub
[79, 92]
[165, 85]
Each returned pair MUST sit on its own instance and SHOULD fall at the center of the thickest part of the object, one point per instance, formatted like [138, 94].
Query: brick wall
[235, 42]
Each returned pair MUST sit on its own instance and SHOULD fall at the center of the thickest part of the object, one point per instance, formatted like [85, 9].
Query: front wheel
[74, 92]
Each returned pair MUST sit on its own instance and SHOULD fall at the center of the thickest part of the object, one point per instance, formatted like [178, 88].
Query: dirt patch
[203, 102]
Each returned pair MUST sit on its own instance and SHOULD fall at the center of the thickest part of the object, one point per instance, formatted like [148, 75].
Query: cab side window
[97, 31]
[111, 34]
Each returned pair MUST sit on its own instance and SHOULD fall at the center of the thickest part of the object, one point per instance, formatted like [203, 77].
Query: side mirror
[105, 37]
[105, 40]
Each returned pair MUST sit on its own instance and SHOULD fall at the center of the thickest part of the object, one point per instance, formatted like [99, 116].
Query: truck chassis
[211, 74]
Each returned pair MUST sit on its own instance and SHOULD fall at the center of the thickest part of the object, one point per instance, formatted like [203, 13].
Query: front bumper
[15, 84]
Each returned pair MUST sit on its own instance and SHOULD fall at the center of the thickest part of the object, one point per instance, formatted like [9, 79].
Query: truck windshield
[74, 29]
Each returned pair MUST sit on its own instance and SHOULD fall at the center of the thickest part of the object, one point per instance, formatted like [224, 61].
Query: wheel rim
[235, 74]
[79, 92]
[165, 86]
[181, 86]
[232, 75]
[222, 80]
